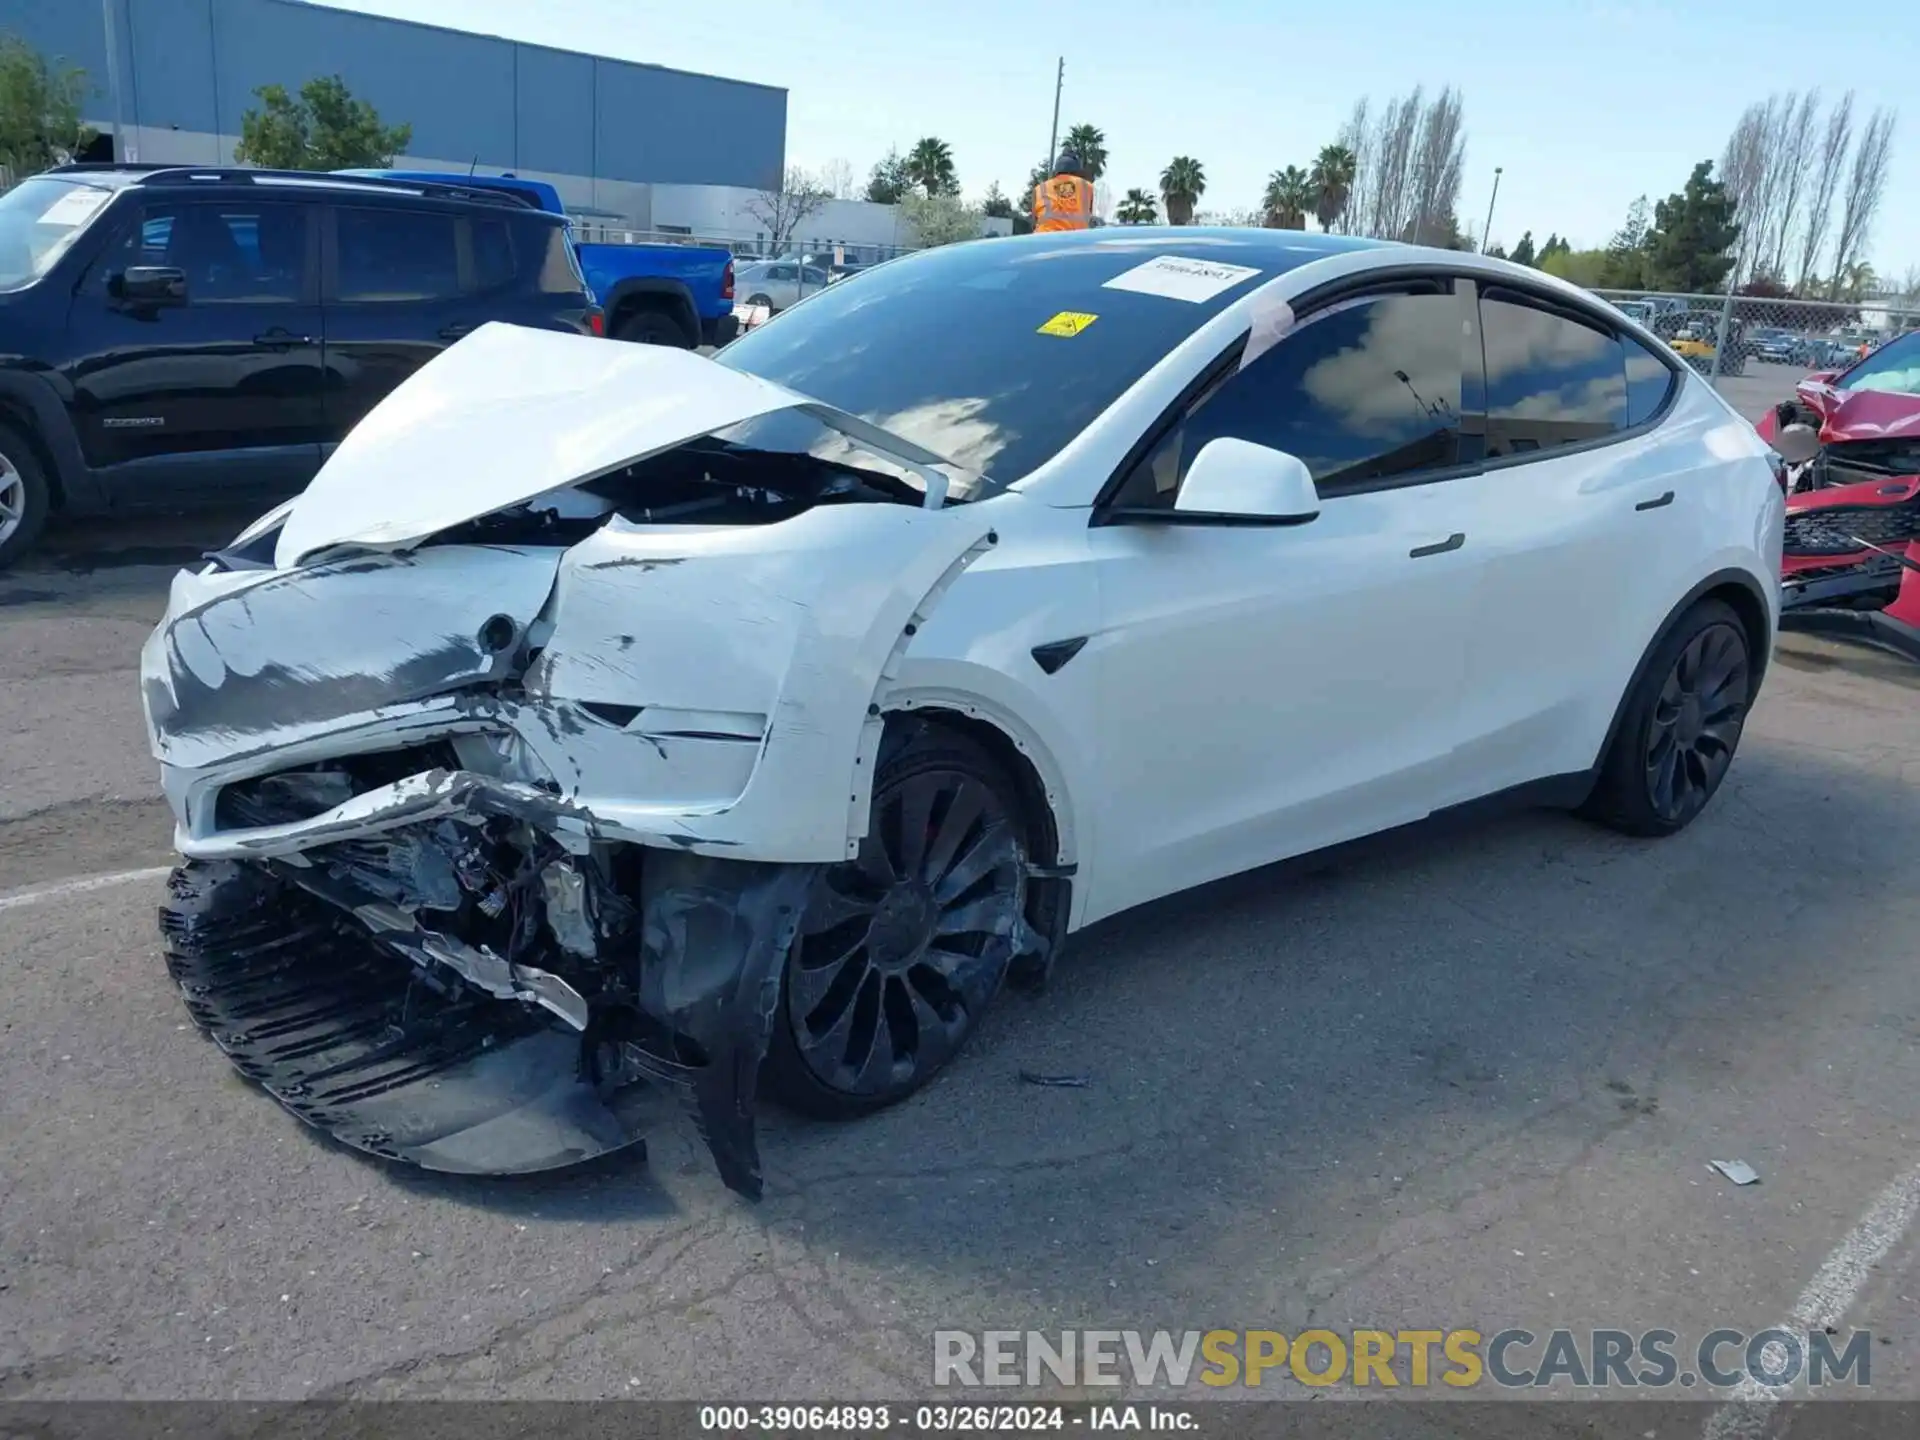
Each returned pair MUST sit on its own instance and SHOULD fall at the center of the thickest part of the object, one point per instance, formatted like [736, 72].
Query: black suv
[172, 336]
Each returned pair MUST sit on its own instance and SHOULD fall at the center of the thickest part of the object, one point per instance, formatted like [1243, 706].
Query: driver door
[214, 394]
[1272, 690]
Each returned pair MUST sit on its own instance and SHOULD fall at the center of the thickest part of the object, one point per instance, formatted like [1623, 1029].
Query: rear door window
[1552, 379]
[396, 255]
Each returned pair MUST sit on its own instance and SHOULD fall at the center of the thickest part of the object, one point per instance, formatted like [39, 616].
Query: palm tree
[1855, 282]
[1289, 195]
[930, 166]
[1182, 184]
[1137, 209]
[1086, 145]
[1334, 169]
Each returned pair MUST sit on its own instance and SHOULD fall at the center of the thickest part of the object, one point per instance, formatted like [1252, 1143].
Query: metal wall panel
[193, 65]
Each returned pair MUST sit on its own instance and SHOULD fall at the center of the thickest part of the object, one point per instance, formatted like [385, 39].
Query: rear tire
[901, 949]
[1680, 728]
[25, 498]
[651, 327]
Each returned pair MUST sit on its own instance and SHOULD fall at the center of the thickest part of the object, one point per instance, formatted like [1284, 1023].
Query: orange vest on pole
[1063, 203]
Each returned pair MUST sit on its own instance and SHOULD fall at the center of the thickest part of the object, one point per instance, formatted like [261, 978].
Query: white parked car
[606, 716]
[777, 284]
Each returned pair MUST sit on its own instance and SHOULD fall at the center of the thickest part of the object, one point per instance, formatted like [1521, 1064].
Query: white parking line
[80, 886]
[1824, 1302]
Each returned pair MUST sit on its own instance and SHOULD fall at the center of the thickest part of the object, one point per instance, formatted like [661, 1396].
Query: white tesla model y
[606, 717]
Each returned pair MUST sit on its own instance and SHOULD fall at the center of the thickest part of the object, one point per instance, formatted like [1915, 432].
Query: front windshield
[1894, 368]
[39, 219]
[995, 353]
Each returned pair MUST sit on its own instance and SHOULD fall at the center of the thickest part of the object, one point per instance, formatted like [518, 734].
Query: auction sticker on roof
[1179, 278]
[1068, 322]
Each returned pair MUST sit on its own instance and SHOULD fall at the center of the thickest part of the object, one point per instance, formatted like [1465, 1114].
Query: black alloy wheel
[902, 948]
[1679, 725]
[1696, 722]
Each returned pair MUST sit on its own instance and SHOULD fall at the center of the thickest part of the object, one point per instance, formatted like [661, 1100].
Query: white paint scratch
[1824, 1302]
[80, 886]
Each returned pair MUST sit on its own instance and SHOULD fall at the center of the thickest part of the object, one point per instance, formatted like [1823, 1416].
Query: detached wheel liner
[351, 1040]
[357, 1042]
[848, 987]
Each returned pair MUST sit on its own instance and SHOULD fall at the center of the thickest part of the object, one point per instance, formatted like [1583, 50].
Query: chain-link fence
[1754, 348]
[822, 250]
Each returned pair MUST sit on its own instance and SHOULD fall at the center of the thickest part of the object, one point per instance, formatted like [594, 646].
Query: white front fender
[777, 637]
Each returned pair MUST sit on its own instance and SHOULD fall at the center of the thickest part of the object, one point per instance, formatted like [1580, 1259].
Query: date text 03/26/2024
[940, 1418]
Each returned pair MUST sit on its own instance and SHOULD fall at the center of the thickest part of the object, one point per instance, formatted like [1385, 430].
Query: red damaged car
[1851, 441]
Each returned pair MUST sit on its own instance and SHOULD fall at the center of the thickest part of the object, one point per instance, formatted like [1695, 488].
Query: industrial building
[171, 80]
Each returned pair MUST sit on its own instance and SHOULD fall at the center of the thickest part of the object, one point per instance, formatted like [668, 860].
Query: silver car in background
[778, 283]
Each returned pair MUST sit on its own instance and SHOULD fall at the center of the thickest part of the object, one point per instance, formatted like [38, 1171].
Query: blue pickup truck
[653, 294]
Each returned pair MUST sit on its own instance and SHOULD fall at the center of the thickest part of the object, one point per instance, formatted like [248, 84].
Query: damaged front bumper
[485, 843]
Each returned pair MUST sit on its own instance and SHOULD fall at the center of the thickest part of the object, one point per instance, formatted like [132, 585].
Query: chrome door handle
[1440, 547]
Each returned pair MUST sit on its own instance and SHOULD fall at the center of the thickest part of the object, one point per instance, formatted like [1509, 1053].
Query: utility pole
[123, 148]
[1053, 138]
[1487, 234]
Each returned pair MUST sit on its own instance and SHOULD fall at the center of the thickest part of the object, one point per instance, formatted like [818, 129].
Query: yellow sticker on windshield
[1067, 322]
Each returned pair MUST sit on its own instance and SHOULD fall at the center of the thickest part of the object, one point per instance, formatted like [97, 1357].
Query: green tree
[1023, 202]
[1332, 176]
[1555, 246]
[39, 109]
[940, 219]
[1581, 267]
[1854, 283]
[995, 203]
[1691, 246]
[930, 166]
[1523, 252]
[888, 180]
[1137, 209]
[1288, 197]
[1182, 184]
[324, 129]
[1086, 146]
[1626, 267]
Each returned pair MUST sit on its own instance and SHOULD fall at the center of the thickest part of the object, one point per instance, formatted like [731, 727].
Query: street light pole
[1486, 235]
[1053, 137]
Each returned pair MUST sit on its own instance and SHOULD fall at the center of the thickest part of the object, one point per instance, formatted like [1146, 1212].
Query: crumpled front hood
[506, 415]
[1847, 415]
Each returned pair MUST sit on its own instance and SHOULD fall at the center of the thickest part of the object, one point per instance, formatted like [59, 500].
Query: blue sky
[1584, 103]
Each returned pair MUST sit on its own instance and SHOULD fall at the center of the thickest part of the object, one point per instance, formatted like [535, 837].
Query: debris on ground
[1738, 1171]
[1056, 1082]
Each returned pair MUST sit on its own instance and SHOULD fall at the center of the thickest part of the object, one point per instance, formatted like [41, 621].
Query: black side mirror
[150, 285]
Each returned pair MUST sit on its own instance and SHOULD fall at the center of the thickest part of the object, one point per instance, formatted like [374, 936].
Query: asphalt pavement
[1476, 1081]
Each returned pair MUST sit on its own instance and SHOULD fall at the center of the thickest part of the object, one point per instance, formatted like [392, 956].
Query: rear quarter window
[494, 264]
[1649, 381]
[558, 271]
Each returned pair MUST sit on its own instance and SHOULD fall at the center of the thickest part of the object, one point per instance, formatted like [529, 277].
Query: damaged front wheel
[902, 948]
